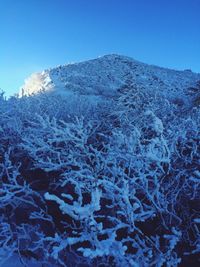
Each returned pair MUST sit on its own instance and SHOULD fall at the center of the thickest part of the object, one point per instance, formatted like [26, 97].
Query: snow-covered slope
[106, 75]
[112, 182]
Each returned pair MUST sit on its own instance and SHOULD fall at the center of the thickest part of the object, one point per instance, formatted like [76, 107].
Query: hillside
[99, 166]
[105, 76]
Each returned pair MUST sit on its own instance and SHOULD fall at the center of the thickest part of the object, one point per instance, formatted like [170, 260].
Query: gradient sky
[38, 34]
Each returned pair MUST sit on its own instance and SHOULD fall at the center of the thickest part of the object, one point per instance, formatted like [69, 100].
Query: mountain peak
[106, 75]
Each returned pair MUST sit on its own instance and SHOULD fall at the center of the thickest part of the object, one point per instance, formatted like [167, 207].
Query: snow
[101, 167]
[105, 75]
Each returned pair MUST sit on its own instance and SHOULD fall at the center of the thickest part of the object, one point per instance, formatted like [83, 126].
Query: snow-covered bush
[99, 184]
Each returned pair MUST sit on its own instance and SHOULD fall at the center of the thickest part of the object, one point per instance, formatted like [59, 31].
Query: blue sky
[38, 34]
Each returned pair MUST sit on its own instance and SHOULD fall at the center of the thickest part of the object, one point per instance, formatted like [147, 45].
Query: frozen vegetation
[100, 166]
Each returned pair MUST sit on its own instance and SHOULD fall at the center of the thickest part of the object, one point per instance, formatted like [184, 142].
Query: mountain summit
[106, 75]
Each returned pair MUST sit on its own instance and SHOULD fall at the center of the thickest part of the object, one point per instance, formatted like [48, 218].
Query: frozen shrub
[116, 185]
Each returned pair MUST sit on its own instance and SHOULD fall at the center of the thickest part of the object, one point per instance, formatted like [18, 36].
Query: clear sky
[37, 34]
